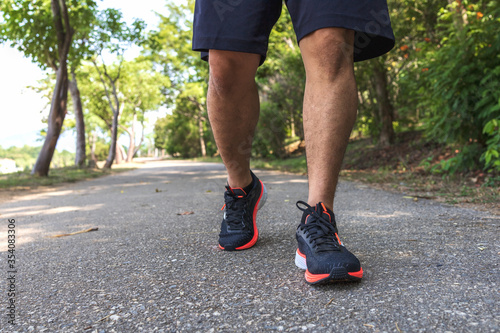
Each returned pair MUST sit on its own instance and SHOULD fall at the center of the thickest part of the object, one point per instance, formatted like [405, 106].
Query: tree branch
[112, 81]
[106, 90]
[67, 26]
[200, 108]
[138, 147]
[105, 121]
[56, 18]
[51, 61]
[125, 129]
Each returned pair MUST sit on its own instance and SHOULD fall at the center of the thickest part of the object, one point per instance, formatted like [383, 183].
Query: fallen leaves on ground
[185, 213]
[75, 233]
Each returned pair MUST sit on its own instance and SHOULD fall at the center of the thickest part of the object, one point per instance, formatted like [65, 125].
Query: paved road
[428, 267]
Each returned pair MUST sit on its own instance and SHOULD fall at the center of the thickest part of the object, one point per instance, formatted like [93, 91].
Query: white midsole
[300, 261]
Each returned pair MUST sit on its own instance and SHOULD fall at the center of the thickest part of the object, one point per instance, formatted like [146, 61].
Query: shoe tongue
[237, 191]
[324, 212]
[321, 210]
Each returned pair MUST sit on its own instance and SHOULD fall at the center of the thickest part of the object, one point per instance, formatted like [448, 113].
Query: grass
[208, 159]
[24, 180]
[293, 164]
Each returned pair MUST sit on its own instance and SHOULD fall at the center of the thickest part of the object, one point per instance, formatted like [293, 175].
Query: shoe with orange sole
[239, 226]
[320, 251]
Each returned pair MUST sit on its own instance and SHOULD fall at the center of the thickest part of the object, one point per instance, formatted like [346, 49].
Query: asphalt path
[153, 265]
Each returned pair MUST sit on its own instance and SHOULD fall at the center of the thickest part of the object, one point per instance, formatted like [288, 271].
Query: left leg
[330, 107]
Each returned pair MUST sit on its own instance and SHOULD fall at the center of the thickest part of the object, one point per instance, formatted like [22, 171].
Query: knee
[231, 70]
[328, 52]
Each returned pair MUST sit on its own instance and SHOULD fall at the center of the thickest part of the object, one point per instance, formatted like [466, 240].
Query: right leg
[233, 37]
[233, 110]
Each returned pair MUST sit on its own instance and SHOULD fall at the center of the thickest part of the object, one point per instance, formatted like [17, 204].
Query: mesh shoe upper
[319, 243]
[238, 228]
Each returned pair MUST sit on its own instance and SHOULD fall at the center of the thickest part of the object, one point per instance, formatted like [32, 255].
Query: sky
[20, 106]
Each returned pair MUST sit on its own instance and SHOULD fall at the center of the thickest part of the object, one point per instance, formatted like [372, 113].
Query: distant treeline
[25, 157]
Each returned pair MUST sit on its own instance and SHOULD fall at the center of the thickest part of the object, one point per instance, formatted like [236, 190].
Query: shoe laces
[236, 209]
[319, 229]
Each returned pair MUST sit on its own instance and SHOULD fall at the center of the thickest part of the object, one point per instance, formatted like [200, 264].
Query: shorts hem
[204, 44]
[367, 43]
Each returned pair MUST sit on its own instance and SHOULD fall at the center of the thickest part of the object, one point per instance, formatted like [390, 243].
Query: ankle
[240, 182]
[327, 203]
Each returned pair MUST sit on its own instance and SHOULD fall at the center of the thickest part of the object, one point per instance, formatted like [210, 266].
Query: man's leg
[330, 106]
[233, 109]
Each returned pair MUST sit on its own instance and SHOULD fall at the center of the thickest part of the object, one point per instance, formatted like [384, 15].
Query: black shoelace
[319, 230]
[236, 209]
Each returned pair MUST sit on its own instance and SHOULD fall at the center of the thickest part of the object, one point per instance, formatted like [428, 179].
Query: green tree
[113, 35]
[281, 81]
[141, 87]
[169, 47]
[138, 91]
[461, 74]
[43, 30]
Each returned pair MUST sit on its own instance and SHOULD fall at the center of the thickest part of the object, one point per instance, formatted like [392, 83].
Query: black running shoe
[239, 228]
[320, 251]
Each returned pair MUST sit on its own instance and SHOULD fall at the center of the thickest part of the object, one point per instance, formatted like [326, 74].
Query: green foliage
[110, 32]
[57, 176]
[491, 156]
[25, 157]
[281, 81]
[271, 132]
[463, 84]
[182, 132]
[62, 159]
[28, 26]
[177, 135]
[292, 164]
[101, 149]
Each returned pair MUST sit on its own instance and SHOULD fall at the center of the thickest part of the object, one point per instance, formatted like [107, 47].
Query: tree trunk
[80, 125]
[131, 149]
[119, 154]
[114, 138]
[92, 144]
[114, 104]
[138, 147]
[385, 108]
[131, 145]
[58, 107]
[292, 124]
[55, 122]
[202, 139]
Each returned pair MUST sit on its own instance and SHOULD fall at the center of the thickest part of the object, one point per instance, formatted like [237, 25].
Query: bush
[463, 81]
[271, 133]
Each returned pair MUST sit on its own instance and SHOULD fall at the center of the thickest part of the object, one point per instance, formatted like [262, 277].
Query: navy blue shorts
[245, 25]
